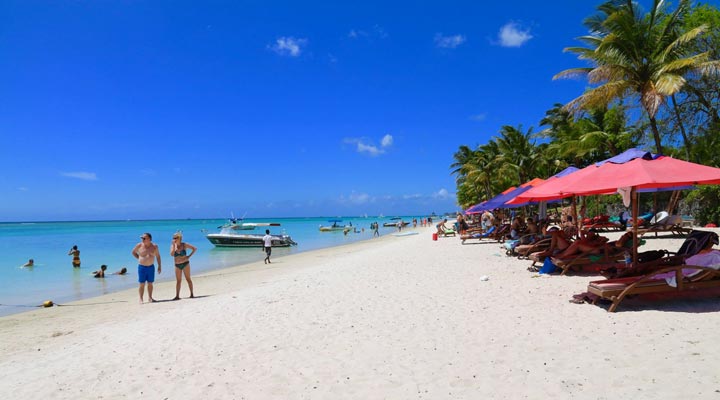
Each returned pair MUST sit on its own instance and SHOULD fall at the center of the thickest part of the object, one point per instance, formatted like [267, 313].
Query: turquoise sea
[110, 242]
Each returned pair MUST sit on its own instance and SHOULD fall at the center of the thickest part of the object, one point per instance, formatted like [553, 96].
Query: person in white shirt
[267, 245]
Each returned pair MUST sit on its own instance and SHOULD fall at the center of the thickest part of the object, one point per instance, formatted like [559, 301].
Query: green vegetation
[663, 61]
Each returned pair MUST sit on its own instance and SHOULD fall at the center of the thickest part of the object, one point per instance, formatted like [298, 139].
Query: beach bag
[548, 267]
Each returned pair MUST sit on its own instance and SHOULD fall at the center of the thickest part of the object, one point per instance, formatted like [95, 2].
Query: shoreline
[166, 282]
[403, 317]
[51, 281]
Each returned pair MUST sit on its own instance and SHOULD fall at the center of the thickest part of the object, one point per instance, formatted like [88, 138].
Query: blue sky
[194, 109]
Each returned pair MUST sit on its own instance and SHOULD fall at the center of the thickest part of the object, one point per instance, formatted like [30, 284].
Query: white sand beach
[395, 317]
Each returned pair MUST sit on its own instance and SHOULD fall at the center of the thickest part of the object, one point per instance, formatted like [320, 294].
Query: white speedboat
[336, 226]
[229, 237]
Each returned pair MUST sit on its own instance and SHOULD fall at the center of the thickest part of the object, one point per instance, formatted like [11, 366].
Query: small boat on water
[397, 220]
[336, 226]
[229, 237]
[235, 224]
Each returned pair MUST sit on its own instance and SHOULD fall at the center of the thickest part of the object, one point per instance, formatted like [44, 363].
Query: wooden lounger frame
[616, 290]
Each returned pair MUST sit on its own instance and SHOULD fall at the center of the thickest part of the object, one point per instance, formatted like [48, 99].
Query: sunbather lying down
[478, 235]
[474, 235]
[558, 243]
[590, 243]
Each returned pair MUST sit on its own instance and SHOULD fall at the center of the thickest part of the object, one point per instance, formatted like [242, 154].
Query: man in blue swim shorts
[146, 252]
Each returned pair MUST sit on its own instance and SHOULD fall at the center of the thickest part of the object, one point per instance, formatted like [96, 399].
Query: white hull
[247, 240]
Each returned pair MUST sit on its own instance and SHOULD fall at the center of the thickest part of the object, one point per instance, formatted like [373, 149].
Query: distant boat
[336, 226]
[397, 220]
[236, 224]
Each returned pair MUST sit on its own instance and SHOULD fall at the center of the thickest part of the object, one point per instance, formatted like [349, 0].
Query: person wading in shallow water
[146, 252]
[76, 256]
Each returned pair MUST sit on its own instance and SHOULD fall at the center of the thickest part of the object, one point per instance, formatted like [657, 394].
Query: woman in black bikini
[178, 250]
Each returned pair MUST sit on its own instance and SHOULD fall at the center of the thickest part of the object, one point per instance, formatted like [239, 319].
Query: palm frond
[709, 68]
[683, 64]
[599, 96]
[572, 73]
[668, 84]
[676, 45]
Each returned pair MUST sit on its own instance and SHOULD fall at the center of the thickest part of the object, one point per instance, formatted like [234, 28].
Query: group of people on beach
[146, 252]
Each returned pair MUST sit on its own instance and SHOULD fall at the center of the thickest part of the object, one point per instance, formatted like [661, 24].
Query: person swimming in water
[122, 271]
[178, 250]
[30, 263]
[101, 272]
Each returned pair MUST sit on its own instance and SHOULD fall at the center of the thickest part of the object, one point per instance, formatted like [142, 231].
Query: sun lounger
[650, 261]
[681, 278]
[493, 233]
[601, 223]
[448, 232]
[523, 251]
[666, 223]
[589, 261]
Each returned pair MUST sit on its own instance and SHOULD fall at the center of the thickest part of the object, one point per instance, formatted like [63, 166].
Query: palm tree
[462, 157]
[518, 153]
[636, 53]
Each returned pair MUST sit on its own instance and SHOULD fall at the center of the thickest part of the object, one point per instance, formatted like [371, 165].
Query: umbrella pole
[635, 209]
[573, 212]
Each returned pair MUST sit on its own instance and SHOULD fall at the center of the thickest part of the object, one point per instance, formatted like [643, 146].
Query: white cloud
[288, 46]
[359, 198]
[22, 189]
[386, 141]
[513, 35]
[86, 176]
[479, 117]
[375, 32]
[441, 194]
[362, 145]
[449, 42]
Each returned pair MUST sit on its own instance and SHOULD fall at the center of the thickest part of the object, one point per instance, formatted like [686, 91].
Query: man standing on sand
[267, 245]
[146, 252]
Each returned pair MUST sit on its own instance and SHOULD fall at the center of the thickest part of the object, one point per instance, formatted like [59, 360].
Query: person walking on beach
[178, 249]
[376, 229]
[267, 245]
[146, 252]
[76, 256]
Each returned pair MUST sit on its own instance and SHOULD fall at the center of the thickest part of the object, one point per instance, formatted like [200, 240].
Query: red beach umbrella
[638, 173]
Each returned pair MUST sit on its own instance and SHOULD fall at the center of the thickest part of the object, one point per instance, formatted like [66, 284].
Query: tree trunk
[682, 128]
[656, 134]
